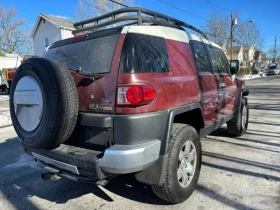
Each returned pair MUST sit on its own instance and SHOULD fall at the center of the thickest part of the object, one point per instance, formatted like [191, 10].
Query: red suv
[136, 98]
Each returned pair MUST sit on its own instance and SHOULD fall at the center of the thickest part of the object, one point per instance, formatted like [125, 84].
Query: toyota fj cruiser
[136, 98]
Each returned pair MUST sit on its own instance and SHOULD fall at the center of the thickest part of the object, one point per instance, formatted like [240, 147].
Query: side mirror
[234, 67]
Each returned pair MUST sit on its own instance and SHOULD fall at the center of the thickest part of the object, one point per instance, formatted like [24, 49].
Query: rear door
[94, 61]
[226, 87]
[207, 82]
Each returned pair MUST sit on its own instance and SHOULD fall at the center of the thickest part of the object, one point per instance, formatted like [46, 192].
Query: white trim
[159, 31]
[166, 33]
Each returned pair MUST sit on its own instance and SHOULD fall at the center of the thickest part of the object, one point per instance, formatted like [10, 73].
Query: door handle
[222, 84]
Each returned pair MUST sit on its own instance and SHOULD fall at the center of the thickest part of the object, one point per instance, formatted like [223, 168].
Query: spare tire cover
[43, 103]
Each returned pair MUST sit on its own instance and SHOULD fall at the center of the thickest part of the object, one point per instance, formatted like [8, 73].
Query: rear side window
[219, 62]
[200, 57]
[143, 54]
[89, 56]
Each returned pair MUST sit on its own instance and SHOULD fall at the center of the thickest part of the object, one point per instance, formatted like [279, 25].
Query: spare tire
[43, 103]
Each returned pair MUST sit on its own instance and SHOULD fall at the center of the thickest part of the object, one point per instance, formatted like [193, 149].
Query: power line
[108, 0]
[118, 3]
[170, 5]
[218, 6]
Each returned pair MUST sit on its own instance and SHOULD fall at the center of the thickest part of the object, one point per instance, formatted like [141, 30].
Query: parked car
[263, 72]
[6, 76]
[129, 99]
[273, 69]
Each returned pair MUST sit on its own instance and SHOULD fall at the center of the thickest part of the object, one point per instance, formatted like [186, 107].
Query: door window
[200, 57]
[219, 62]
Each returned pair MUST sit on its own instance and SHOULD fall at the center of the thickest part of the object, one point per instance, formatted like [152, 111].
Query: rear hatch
[93, 60]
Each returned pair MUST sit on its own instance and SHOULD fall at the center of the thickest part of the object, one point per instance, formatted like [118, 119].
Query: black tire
[171, 190]
[235, 125]
[60, 103]
[6, 90]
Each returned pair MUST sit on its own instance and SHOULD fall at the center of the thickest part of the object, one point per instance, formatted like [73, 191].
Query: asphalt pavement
[237, 173]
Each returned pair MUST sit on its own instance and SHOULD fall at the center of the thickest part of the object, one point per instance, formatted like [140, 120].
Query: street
[236, 173]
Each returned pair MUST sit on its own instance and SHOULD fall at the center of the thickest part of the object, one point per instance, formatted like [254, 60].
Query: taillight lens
[134, 95]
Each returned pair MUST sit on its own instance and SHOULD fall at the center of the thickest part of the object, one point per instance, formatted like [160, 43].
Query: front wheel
[183, 166]
[238, 125]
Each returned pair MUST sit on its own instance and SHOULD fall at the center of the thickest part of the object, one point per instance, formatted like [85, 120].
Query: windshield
[272, 67]
[92, 56]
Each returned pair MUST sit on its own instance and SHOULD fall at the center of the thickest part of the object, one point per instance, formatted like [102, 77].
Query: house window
[47, 42]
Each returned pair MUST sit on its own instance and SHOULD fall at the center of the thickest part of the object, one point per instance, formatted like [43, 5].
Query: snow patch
[4, 97]
[248, 77]
[5, 120]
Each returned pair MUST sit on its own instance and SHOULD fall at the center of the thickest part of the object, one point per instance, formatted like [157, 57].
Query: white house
[249, 53]
[49, 29]
[10, 61]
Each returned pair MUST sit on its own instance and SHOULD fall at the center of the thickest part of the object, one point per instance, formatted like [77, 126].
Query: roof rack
[128, 14]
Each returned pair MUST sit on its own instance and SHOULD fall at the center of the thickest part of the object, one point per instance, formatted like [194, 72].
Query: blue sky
[266, 14]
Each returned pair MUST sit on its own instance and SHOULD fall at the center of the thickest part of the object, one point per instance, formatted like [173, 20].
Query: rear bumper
[118, 159]
[115, 145]
[123, 159]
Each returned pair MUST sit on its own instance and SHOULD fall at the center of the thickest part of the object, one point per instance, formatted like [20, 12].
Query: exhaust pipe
[49, 176]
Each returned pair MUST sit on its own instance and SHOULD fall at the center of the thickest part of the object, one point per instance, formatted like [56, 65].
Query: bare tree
[218, 25]
[91, 8]
[270, 53]
[248, 34]
[14, 33]
[217, 28]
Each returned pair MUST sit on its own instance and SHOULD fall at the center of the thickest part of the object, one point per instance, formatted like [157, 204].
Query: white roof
[167, 33]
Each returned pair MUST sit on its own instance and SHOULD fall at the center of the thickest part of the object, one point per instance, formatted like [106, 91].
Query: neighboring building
[49, 29]
[249, 53]
[261, 60]
[238, 54]
[10, 61]
[258, 56]
[264, 58]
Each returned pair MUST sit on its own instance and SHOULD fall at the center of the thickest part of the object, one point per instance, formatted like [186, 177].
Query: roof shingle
[59, 21]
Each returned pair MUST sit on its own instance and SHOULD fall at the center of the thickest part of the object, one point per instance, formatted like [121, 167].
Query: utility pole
[275, 51]
[231, 37]
[233, 22]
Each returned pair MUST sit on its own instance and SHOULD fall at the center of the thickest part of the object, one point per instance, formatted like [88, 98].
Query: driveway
[237, 173]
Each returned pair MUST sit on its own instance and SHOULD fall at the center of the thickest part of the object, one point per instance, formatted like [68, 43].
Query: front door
[208, 83]
[226, 88]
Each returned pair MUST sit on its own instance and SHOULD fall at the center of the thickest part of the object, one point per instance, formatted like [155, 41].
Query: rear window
[89, 56]
[144, 54]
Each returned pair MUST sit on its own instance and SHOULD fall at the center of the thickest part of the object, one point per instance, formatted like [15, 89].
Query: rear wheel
[238, 125]
[183, 167]
[5, 89]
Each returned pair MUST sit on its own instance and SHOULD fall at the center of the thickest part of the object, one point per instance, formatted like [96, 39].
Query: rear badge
[105, 105]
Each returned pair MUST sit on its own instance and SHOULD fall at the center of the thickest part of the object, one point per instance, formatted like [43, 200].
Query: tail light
[135, 95]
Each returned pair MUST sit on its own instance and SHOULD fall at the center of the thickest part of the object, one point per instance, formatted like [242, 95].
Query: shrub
[244, 71]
